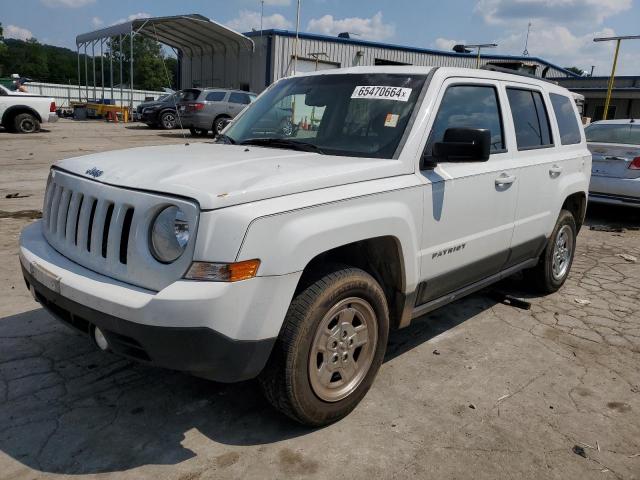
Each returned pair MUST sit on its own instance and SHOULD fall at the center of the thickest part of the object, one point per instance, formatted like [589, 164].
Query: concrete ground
[477, 390]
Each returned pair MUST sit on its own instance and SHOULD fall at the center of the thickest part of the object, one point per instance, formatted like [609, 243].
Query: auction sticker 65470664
[377, 92]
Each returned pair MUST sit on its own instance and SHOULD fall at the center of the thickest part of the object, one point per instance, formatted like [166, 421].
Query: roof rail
[495, 68]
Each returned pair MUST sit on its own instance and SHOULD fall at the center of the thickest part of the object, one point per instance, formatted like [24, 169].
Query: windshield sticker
[399, 94]
[391, 120]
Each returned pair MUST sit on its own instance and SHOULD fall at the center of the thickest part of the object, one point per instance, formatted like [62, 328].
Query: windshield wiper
[226, 139]
[283, 143]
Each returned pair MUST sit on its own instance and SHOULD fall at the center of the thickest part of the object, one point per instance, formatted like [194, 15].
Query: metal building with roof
[213, 55]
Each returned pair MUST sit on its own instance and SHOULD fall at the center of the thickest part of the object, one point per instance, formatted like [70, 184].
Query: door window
[529, 118]
[241, 98]
[215, 96]
[566, 118]
[469, 106]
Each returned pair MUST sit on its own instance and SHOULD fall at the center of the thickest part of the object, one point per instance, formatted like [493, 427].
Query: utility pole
[261, 16]
[613, 68]
[295, 43]
[480, 47]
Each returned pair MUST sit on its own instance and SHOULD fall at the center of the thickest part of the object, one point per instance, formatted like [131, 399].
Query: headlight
[169, 234]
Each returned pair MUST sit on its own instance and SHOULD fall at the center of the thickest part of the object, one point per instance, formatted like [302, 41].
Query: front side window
[566, 118]
[361, 115]
[529, 118]
[215, 96]
[469, 106]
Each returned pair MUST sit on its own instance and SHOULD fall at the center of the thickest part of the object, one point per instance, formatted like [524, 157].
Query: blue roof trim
[606, 77]
[392, 46]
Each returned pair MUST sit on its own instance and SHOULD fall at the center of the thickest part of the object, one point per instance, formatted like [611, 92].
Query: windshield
[362, 115]
[627, 133]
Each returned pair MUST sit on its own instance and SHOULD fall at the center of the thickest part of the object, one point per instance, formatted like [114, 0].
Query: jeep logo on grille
[94, 172]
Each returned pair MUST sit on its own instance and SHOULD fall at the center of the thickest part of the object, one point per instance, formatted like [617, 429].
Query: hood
[217, 175]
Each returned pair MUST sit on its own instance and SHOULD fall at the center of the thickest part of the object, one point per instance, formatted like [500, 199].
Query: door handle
[505, 179]
[555, 170]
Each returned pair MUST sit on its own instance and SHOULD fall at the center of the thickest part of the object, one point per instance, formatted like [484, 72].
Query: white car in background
[22, 112]
[615, 172]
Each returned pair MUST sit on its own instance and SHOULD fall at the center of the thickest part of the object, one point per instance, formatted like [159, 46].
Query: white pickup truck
[22, 112]
[289, 254]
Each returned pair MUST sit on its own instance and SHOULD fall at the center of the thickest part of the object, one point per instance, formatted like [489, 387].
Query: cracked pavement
[478, 389]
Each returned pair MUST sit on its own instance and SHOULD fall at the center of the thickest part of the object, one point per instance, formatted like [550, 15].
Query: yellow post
[611, 81]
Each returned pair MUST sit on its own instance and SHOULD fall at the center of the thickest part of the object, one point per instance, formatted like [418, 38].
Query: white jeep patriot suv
[289, 254]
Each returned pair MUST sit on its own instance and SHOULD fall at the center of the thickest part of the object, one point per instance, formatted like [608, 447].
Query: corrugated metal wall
[272, 60]
[65, 94]
[346, 55]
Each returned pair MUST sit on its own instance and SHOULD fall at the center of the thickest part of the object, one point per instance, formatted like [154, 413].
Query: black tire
[25, 123]
[197, 132]
[286, 380]
[217, 125]
[168, 120]
[542, 277]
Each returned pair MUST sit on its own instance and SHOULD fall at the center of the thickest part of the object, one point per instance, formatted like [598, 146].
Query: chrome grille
[106, 229]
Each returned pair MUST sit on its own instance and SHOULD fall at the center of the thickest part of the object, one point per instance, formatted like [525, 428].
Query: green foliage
[576, 70]
[48, 63]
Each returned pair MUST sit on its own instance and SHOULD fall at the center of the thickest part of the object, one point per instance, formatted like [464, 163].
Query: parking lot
[478, 389]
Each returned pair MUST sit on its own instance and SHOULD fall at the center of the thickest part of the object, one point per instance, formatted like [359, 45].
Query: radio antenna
[525, 53]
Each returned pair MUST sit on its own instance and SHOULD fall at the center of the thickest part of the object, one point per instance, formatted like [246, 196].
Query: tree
[577, 71]
[152, 69]
[3, 49]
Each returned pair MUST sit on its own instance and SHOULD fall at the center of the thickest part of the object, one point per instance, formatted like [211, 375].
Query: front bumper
[221, 331]
[149, 117]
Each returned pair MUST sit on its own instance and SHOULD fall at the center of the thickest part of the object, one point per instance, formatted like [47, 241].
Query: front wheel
[168, 120]
[26, 123]
[329, 349]
[555, 262]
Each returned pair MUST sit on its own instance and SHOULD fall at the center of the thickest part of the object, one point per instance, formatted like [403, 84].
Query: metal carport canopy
[184, 32]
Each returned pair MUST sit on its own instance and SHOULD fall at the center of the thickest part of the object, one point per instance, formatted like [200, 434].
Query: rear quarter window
[190, 95]
[566, 118]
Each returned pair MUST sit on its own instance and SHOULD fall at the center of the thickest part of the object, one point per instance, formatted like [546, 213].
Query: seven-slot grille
[106, 229]
[96, 226]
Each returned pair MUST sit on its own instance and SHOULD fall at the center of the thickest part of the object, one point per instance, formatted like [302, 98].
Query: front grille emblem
[94, 172]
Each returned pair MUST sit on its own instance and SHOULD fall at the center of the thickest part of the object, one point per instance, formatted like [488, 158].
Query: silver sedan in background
[615, 172]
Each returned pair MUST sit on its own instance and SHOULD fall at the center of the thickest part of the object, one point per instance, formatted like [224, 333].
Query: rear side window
[215, 96]
[241, 98]
[469, 106]
[529, 118]
[566, 118]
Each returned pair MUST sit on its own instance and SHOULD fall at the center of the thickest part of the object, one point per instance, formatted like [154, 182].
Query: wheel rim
[287, 128]
[343, 349]
[168, 120]
[562, 252]
[27, 125]
[219, 126]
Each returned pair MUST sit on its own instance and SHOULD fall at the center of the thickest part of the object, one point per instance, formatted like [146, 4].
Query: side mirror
[464, 145]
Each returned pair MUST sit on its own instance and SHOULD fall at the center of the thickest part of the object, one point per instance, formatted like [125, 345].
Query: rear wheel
[25, 123]
[555, 262]
[168, 120]
[198, 132]
[330, 348]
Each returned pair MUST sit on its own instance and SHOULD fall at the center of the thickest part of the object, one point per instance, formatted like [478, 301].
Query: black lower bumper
[197, 350]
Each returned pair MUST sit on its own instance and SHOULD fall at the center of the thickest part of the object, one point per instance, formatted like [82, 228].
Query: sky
[562, 31]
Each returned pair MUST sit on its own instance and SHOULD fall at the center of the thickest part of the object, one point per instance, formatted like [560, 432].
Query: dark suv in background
[161, 112]
[205, 109]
